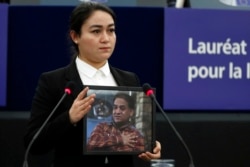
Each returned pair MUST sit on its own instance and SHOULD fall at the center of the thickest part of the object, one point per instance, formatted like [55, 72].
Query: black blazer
[59, 134]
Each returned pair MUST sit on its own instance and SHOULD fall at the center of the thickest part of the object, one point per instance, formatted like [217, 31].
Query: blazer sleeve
[49, 91]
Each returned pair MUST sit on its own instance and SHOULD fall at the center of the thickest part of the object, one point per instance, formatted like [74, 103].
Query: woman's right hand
[81, 106]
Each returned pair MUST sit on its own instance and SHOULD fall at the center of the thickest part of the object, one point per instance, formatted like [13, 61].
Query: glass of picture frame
[104, 129]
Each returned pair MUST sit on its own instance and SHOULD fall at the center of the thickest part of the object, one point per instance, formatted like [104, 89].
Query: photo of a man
[119, 122]
[120, 134]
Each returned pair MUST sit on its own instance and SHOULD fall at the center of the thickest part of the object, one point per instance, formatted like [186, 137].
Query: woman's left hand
[155, 155]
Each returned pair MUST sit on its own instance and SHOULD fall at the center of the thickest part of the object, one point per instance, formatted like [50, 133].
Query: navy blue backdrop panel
[200, 70]
[3, 52]
[38, 42]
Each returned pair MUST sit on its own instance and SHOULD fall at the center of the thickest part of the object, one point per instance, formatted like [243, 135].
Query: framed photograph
[121, 121]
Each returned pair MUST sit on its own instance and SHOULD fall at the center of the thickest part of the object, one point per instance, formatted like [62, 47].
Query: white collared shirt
[92, 76]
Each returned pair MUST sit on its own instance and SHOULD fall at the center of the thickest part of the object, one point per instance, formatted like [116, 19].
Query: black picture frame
[143, 120]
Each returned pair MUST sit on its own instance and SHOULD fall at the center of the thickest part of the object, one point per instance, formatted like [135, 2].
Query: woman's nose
[104, 37]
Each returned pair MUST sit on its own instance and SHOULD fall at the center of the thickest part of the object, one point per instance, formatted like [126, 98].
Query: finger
[85, 110]
[87, 100]
[144, 156]
[153, 156]
[82, 94]
[157, 147]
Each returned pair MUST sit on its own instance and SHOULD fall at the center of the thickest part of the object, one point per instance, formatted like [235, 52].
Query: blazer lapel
[73, 75]
[124, 79]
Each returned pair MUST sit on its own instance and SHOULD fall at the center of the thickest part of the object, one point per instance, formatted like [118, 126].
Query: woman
[92, 31]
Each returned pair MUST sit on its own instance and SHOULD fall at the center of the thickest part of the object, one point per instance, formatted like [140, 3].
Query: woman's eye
[112, 30]
[96, 31]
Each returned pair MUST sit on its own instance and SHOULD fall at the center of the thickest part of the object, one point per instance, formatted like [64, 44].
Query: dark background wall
[37, 42]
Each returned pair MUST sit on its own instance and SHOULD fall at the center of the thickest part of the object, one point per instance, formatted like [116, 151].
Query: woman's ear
[74, 36]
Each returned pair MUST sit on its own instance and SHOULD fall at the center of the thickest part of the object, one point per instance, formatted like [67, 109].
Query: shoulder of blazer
[65, 74]
[68, 72]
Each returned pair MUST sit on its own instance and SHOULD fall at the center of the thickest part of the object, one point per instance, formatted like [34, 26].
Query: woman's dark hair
[129, 99]
[81, 13]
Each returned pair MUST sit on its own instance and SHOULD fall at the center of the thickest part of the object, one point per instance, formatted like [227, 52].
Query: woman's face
[97, 40]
